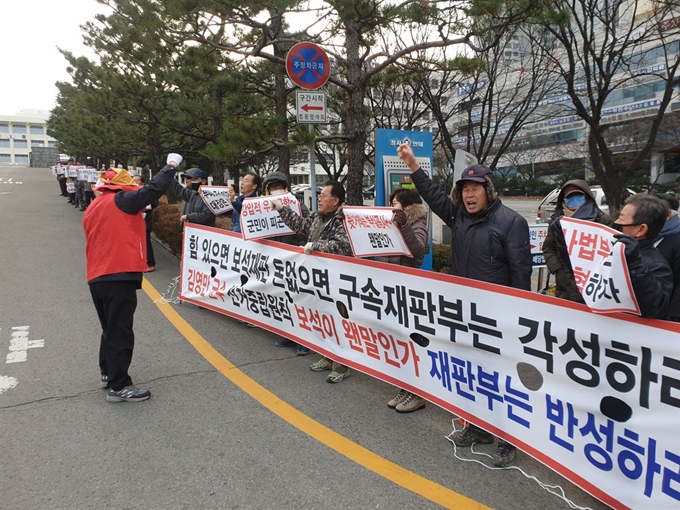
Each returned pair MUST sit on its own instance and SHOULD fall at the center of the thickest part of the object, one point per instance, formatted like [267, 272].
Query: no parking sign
[308, 66]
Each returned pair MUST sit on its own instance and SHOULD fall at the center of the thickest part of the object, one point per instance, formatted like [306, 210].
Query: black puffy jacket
[492, 246]
[193, 205]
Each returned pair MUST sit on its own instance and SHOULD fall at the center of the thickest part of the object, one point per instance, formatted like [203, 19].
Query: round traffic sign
[308, 66]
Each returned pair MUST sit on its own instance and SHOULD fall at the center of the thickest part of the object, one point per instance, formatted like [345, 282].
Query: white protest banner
[83, 174]
[259, 220]
[92, 175]
[70, 187]
[371, 232]
[599, 266]
[594, 397]
[216, 198]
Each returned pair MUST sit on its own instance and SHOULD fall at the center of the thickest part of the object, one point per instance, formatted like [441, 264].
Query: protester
[148, 220]
[411, 218]
[61, 178]
[115, 248]
[641, 221]
[276, 183]
[489, 242]
[322, 231]
[248, 187]
[575, 200]
[668, 244]
[70, 190]
[193, 208]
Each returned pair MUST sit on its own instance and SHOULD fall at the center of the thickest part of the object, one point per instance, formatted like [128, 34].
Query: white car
[547, 206]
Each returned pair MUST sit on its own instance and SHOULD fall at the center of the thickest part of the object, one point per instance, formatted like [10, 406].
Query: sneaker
[321, 365]
[468, 435]
[301, 350]
[105, 381]
[336, 377]
[128, 394]
[410, 404]
[505, 454]
[284, 342]
[150, 269]
[397, 400]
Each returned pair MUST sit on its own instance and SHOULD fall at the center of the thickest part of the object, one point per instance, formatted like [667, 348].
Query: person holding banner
[411, 218]
[61, 178]
[575, 200]
[489, 243]
[193, 208]
[115, 249]
[323, 231]
[640, 221]
[668, 244]
[276, 183]
[249, 186]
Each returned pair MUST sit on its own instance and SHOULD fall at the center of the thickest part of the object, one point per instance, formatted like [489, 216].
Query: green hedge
[441, 258]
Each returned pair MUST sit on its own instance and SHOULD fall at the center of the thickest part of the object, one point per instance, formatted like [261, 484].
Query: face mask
[617, 226]
[575, 200]
[278, 192]
[195, 186]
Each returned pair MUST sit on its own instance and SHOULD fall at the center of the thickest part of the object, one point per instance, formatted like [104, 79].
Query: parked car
[369, 192]
[547, 206]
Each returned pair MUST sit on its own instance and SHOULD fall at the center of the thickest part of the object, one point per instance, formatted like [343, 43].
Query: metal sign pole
[312, 169]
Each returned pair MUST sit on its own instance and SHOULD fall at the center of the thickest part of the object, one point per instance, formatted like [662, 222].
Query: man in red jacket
[115, 248]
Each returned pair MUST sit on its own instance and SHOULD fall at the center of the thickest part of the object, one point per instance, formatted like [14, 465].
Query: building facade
[22, 132]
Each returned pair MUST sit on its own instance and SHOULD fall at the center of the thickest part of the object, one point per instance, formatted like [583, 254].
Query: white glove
[276, 204]
[174, 159]
[308, 248]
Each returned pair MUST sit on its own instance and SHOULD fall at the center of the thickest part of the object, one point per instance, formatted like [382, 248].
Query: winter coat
[555, 247]
[492, 246]
[236, 211]
[652, 281]
[193, 205]
[668, 244]
[326, 232]
[416, 236]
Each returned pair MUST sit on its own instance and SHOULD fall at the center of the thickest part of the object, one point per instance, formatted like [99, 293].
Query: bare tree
[609, 54]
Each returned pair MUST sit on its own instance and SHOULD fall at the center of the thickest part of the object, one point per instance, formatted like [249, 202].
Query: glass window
[51, 143]
[21, 158]
[20, 144]
[37, 130]
[5, 158]
[4, 128]
[19, 129]
[37, 143]
[4, 142]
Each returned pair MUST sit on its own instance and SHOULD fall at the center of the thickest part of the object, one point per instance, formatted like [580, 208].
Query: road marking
[19, 345]
[7, 383]
[393, 472]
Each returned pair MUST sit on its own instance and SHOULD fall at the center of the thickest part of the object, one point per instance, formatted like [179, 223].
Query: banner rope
[555, 490]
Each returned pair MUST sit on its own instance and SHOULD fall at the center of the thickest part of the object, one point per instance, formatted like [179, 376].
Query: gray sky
[31, 32]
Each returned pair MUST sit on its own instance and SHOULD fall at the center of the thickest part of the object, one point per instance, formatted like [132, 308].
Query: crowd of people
[489, 243]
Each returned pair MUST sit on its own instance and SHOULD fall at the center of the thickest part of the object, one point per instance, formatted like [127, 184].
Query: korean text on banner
[259, 220]
[372, 233]
[594, 397]
[600, 267]
[216, 198]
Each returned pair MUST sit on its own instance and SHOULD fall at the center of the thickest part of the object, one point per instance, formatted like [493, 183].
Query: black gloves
[632, 248]
[399, 218]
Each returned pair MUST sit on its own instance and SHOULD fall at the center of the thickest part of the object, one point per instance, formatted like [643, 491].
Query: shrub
[167, 227]
[441, 258]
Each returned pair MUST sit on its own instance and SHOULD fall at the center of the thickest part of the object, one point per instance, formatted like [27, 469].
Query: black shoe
[105, 381]
[505, 455]
[128, 394]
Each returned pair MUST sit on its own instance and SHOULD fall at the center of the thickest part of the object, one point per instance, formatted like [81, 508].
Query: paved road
[258, 431]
